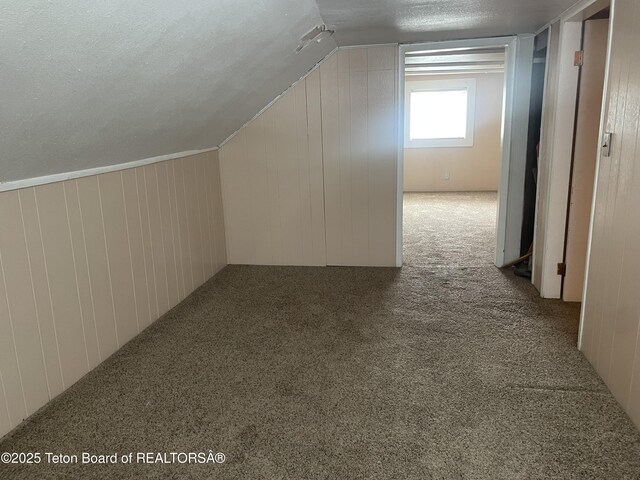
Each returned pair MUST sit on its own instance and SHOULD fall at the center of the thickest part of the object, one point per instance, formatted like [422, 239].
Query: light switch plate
[606, 144]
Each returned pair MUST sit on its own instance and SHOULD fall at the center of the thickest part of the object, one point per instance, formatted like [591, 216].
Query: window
[440, 113]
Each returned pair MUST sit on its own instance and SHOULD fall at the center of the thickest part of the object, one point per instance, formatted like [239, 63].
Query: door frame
[515, 122]
[556, 147]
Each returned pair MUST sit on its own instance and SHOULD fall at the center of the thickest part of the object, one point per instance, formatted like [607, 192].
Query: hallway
[448, 368]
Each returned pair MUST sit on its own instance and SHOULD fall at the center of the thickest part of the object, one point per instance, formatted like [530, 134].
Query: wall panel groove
[14, 393]
[176, 224]
[41, 294]
[21, 303]
[75, 271]
[24, 232]
[80, 261]
[312, 180]
[85, 293]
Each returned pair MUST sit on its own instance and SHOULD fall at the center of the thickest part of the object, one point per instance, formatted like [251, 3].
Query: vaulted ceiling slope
[93, 83]
[361, 22]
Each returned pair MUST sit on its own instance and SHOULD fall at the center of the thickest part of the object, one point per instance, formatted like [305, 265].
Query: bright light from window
[438, 114]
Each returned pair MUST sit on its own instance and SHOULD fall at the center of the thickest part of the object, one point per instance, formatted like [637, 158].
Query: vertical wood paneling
[157, 242]
[175, 226]
[193, 220]
[162, 176]
[358, 87]
[272, 180]
[118, 253]
[603, 216]
[203, 208]
[360, 156]
[288, 179]
[257, 163]
[22, 309]
[345, 231]
[312, 180]
[136, 247]
[79, 264]
[218, 212]
[615, 210]
[208, 167]
[96, 250]
[82, 274]
[316, 174]
[611, 320]
[624, 332]
[5, 421]
[381, 58]
[147, 244]
[63, 285]
[382, 167]
[41, 291]
[183, 228]
[304, 171]
[331, 158]
[229, 162]
[270, 121]
[10, 369]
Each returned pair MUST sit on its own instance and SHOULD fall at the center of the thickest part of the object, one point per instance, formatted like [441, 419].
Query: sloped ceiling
[360, 22]
[93, 83]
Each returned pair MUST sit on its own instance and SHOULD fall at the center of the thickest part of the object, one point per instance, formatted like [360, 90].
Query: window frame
[468, 84]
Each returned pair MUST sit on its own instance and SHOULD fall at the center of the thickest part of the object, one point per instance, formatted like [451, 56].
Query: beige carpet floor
[447, 369]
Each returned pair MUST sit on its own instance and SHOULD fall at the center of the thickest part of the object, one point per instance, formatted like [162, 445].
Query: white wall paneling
[88, 263]
[610, 328]
[272, 183]
[456, 169]
[312, 179]
[359, 95]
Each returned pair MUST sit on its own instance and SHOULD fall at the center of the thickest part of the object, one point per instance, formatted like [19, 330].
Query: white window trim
[468, 84]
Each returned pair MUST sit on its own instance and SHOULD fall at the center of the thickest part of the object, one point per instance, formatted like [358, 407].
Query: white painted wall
[312, 180]
[86, 264]
[460, 169]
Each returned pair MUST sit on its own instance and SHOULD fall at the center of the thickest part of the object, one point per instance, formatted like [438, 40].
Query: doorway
[430, 156]
[558, 180]
[592, 57]
[452, 152]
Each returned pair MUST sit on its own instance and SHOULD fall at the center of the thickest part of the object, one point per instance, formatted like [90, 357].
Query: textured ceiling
[93, 83]
[361, 22]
